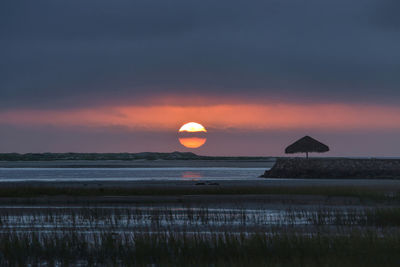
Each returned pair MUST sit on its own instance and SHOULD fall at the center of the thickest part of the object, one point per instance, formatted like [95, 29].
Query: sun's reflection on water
[190, 175]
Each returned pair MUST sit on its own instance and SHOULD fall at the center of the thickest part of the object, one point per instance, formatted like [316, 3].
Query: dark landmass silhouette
[335, 168]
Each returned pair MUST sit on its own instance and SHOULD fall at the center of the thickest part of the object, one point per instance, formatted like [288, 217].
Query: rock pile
[335, 168]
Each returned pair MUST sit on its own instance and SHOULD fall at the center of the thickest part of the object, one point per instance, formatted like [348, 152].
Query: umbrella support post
[307, 155]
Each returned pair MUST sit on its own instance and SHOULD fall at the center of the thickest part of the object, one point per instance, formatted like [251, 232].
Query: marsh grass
[357, 249]
[224, 237]
[204, 219]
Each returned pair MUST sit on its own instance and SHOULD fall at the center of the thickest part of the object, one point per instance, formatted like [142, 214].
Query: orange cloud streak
[240, 116]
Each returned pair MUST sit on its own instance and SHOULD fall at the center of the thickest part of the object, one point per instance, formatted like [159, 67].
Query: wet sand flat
[247, 193]
[262, 182]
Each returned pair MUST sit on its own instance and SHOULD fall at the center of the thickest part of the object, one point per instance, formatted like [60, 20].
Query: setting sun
[192, 127]
[192, 135]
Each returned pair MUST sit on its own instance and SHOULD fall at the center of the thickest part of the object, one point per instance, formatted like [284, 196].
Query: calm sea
[128, 174]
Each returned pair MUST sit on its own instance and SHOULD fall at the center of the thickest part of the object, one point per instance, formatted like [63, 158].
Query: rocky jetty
[335, 168]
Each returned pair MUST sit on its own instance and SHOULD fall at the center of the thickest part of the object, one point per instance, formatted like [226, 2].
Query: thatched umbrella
[305, 145]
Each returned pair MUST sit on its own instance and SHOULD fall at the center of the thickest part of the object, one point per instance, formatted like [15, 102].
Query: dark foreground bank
[335, 168]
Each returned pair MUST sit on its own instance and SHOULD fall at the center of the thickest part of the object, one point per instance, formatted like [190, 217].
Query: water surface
[129, 174]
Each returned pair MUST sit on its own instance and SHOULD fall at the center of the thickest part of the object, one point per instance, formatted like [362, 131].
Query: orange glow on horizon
[249, 117]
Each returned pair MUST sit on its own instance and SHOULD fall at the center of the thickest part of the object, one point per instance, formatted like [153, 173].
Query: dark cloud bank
[72, 53]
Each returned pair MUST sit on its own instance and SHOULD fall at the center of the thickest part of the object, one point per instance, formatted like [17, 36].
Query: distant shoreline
[267, 163]
[118, 156]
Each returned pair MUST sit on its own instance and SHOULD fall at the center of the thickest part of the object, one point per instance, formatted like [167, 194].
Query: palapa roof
[306, 144]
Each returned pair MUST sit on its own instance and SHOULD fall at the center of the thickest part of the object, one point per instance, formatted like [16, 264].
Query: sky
[123, 75]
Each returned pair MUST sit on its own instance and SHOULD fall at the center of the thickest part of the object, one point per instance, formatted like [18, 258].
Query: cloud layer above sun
[64, 54]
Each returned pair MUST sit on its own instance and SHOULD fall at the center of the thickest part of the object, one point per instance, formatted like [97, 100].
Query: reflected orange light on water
[194, 176]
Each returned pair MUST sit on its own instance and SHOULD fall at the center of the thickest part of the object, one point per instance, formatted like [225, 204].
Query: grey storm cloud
[59, 53]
